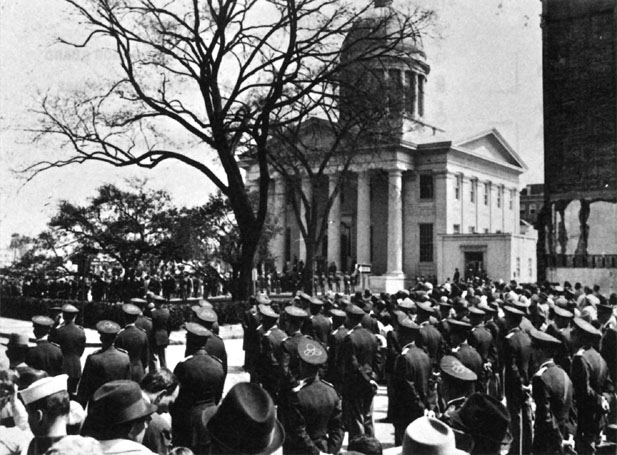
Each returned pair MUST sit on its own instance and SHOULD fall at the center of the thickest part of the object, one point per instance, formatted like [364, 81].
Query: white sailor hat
[44, 388]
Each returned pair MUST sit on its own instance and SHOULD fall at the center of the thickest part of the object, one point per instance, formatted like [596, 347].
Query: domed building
[417, 203]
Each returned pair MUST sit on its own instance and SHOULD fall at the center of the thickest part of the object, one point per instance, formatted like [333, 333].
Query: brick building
[579, 241]
[425, 203]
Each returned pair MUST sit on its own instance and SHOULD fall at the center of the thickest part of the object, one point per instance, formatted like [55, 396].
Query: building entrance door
[474, 264]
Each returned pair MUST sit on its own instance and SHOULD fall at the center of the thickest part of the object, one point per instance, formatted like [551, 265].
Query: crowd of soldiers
[481, 368]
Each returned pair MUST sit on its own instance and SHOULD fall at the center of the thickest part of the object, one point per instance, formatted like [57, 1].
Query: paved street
[235, 359]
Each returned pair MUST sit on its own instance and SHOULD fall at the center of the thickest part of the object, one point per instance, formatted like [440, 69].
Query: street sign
[364, 268]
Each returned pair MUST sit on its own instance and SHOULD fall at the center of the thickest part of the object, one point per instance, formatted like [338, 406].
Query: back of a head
[366, 445]
[158, 380]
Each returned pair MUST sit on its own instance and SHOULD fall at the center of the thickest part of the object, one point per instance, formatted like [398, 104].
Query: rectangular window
[518, 268]
[456, 228]
[287, 244]
[426, 242]
[472, 191]
[426, 186]
[499, 196]
[530, 262]
[532, 209]
[486, 194]
[408, 92]
[457, 187]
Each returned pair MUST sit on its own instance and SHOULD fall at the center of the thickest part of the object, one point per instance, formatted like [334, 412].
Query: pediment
[492, 146]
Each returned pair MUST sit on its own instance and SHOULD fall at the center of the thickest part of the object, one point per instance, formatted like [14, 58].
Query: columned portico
[334, 223]
[363, 223]
[307, 190]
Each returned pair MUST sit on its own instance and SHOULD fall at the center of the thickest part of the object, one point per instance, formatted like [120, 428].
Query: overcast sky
[486, 71]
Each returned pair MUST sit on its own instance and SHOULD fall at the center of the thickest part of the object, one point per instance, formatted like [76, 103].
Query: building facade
[532, 201]
[422, 204]
[579, 238]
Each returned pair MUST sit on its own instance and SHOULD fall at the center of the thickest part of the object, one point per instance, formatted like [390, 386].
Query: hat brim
[460, 426]
[276, 439]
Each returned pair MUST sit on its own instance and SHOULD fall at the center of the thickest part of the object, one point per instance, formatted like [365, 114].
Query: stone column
[395, 222]
[279, 210]
[363, 223]
[421, 81]
[414, 94]
[334, 224]
[307, 190]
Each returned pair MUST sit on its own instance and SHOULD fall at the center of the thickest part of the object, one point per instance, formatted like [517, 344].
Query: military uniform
[590, 378]
[411, 389]
[145, 323]
[335, 374]
[72, 340]
[319, 328]
[517, 353]
[313, 420]
[552, 394]
[481, 339]
[432, 341]
[359, 358]
[469, 357]
[102, 366]
[45, 356]
[250, 342]
[563, 357]
[201, 379]
[608, 346]
[215, 346]
[135, 342]
[290, 360]
[269, 368]
[161, 328]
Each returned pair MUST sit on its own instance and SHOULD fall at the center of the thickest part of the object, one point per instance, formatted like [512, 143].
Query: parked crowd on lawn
[476, 367]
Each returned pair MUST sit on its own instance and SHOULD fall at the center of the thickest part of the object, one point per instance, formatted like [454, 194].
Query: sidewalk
[8, 326]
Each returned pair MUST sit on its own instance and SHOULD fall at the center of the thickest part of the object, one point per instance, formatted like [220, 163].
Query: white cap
[44, 388]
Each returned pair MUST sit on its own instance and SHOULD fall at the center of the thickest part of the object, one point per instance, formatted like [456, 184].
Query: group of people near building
[482, 369]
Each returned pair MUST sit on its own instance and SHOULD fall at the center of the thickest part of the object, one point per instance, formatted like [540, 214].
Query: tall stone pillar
[334, 224]
[395, 222]
[279, 211]
[307, 190]
[414, 94]
[363, 224]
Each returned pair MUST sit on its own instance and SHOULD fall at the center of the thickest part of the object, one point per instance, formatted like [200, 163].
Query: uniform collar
[548, 363]
[43, 338]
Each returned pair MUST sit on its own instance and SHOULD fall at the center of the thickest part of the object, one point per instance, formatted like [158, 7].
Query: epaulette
[326, 382]
[143, 330]
[286, 338]
[268, 332]
[123, 350]
[351, 331]
[405, 349]
[54, 344]
[509, 335]
[580, 352]
[541, 371]
[187, 358]
[121, 330]
[216, 358]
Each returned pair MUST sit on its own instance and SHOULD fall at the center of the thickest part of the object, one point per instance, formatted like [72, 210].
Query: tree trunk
[309, 267]
[243, 270]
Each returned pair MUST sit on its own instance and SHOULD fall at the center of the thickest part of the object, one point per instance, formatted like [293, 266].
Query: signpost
[364, 270]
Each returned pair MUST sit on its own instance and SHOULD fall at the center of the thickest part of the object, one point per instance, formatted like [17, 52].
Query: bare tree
[199, 79]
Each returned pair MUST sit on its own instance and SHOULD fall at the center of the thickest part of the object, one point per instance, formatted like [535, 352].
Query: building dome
[383, 31]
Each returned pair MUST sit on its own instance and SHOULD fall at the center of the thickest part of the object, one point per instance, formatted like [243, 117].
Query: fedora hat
[483, 416]
[245, 422]
[428, 436]
[117, 402]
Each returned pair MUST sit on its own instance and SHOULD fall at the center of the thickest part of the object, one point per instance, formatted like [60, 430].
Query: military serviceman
[457, 383]
[430, 337]
[201, 379]
[161, 328]
[72, 340]
[250, 341]
[591, 381]
[104, 365]
[269, 370]
[134, 341]
[608, 342]
[334, 347]
[359, 357]
[215, 346]
[461, 349]
[313, 414]
[45, 355]
[552, 392]
[319, 325]
[481, 339]
[144, 323]
[290, 360]
[412, 392]
[517, 353]
[560, 329]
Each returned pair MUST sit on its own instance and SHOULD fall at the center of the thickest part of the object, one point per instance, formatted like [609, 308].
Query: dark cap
[206, 314]
[131, 309]
[43, 321]
[197, 329]
[562, 312]
[475, 311]
[354, 309]
[18, 339]
[544, 340]
[453, 367]
[604, 308]
[586, 327]
[425, 306]
[267, 311]
[295, 312]
[458, 325]
[68, 308]
[312, 351]
[107, 327]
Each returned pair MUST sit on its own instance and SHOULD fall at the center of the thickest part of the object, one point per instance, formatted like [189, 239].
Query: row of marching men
[547, 373]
